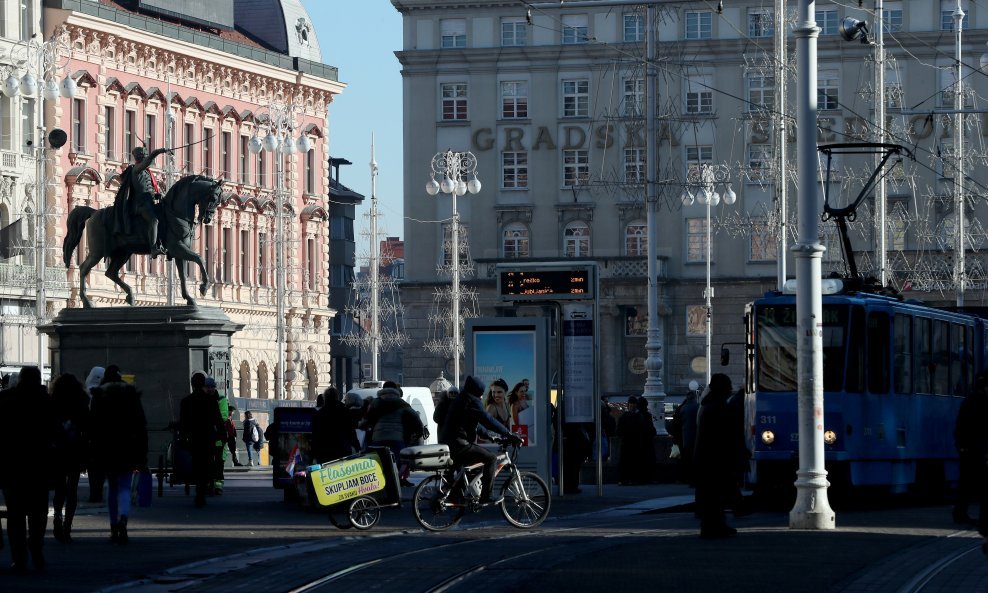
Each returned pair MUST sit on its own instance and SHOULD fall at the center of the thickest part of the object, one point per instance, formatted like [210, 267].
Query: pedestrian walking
[120, 442]
[231, 437]
[684, 423]
[715, 459]
[219, 459]
[95, 474]
[635, 430]
[333, 434]
[200, 427]
[971, 439]
[253, 438]
[71, 405]
[27, 442]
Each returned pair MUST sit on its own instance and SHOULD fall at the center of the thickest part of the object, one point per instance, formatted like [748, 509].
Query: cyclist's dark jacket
[465, 413]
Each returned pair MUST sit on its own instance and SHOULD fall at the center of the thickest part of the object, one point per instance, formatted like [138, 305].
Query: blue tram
[894, 375]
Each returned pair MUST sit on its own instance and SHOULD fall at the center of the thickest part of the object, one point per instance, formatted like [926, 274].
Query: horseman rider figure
[136, 196]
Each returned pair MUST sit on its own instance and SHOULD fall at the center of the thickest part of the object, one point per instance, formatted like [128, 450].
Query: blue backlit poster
[510, 355]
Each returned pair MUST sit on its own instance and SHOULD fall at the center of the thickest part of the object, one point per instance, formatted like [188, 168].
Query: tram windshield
[775, 338]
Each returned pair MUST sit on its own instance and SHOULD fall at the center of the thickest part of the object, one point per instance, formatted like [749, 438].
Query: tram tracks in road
[397, 564]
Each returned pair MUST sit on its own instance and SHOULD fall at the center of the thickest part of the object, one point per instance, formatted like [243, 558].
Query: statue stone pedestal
[159, 346]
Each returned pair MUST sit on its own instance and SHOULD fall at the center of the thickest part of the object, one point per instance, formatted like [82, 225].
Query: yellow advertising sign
[343, 480]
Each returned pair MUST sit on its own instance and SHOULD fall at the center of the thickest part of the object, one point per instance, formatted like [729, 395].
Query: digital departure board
[546, 283]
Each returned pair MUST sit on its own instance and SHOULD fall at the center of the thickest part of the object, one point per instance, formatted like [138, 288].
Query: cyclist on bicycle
[459, 432]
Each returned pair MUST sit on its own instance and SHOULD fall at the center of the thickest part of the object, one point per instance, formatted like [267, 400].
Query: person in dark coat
[466, 412]
[200, 425]
[120, 442]
[95, 474]
[390, 420]
[442, 408]
[333, 434]
[685, 419]
[27, 442]
[715, 458]
[648, 467]
[71, 405]
[253, 438]
[971, 439]
[632, 431]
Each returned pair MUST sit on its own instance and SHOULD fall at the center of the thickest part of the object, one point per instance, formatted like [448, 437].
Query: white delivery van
[420, 398]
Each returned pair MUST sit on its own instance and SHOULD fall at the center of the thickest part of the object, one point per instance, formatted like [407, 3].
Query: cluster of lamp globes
[451, 186]
[709, 196]
[276, 142]
[27, 85]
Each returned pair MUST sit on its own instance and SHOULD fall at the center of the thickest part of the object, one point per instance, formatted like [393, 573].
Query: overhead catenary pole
[881, 202]
[374, 273]
[960, 278]
[812, 509]
[781, 184]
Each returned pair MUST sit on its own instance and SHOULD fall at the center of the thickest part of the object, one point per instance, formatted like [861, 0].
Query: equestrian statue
[139, 224]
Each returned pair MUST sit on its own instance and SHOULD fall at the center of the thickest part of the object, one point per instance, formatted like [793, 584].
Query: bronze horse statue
[177, 219]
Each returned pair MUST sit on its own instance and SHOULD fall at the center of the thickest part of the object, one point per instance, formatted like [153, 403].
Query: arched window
[576, 239]
[262, 381]
[515, 240]
[636, 239]
[244, 379]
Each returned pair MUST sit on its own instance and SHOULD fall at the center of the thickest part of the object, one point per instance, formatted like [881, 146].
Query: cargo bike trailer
[358, 486]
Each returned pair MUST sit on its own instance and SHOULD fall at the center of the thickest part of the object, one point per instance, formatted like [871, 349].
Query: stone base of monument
[157, 348]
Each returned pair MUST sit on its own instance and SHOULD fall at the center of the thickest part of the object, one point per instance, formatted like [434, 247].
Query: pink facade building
[170, 81]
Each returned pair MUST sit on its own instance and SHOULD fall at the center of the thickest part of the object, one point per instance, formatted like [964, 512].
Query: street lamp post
[455, 168]
[40, 61]
[281, 121]
[702, 184]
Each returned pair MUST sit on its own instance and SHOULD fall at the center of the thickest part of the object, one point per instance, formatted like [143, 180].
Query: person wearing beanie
[459, 432]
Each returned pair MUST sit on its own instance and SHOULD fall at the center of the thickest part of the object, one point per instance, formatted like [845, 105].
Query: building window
[698, 24]
[636, 239]
[826, 94]
[313, 260]
[574, 29]
[634, 166]
[576, 98]
[244, 159]
[27, 124]
[892, 20]
[190, 142]
[634, 97]
[227, 255]
[696, 240]
[634, 28]
[79, 125]
[695, 157]
[110, 143]
[310, 172]
[453, 33]
[130, 133]
[244, 258]
[699, 96]
[576, 167]
[514, 169]
[761, 93]
[337, 276]
[207, 151]
[759, 161]
[262, 259]
[761, 241]
[948, 82]
[761, 23]
[826, 19]
[514, 32]
[463, 240]
[151, 131]
[207, 251]
[262, 167]
[514, 240]
[576, 239]
[947, 8]
[454, 101]
[7, 122]
[226, 147]
[514, 99]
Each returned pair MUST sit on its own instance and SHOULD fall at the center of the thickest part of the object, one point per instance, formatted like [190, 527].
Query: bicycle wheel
[525, 500]
[432, 508]
[364, 512]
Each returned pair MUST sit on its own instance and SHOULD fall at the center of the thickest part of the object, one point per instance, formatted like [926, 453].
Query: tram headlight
[829, 437]
[768, 437]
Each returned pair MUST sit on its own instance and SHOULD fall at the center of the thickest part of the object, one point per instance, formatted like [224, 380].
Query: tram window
[878, 352]
[902, 339]
[957, 359]
[775, 347]
[855, 351]
[941, 357]
[923, 359]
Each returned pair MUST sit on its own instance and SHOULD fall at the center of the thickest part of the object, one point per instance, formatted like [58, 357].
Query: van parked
[420, 398]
